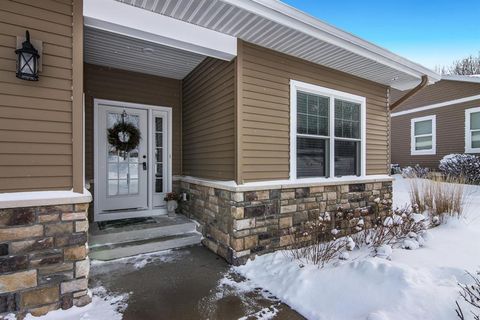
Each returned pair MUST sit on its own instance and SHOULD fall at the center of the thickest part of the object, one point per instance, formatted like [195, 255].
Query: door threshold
[128, 213]
[126, 209]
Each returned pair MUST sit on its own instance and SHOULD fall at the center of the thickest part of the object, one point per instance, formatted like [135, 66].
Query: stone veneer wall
[43, 259]
[238, 225]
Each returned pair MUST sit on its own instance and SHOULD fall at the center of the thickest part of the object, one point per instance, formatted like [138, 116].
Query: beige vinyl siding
[208, 121]
[450, 135]
[444, 90]
[126, 86]
[36, 117]
[264, 111]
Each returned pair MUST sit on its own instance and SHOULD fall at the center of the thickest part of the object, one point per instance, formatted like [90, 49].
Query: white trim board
[437, 105]
[127, 20]
[42, 198]
[468, 131]
[433, 150]
[335, 94]
[282, 184]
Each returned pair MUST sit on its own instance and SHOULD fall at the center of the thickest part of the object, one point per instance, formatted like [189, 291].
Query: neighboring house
[263, 117]
[440, 119]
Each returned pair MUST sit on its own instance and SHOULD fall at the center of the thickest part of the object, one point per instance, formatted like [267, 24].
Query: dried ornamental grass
[440, 196]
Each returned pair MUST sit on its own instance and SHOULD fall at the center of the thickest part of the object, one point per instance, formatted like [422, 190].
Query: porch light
[27, 60]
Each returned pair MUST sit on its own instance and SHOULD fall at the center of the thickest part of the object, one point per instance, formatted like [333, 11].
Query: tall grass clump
[440, 195]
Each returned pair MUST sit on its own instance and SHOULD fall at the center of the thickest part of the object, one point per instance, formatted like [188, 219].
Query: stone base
[239, 225]
[43, 259]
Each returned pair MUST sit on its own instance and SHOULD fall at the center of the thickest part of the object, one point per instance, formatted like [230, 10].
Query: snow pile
[358, 289]
[104, 306]
[384, 251]
[415, 172]
[397, 284]
[461, 165]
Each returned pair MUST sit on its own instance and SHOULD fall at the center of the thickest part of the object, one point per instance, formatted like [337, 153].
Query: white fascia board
[298, 20]
[472, 79]
[436, 105]
[124, 19]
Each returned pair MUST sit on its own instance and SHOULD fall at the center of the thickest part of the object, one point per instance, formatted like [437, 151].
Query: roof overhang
[275, 25]
[467, 78]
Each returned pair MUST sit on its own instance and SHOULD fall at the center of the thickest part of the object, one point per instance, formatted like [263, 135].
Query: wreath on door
[124, 136]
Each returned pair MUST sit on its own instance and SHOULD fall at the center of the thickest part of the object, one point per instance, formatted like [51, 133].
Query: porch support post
[238, 113]
[77, 98]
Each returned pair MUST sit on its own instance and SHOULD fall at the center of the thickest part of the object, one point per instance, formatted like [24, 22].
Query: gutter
[298, 20]
[422, 84]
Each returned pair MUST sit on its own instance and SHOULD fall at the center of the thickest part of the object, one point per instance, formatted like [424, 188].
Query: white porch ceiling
[127, 53]
[274, 25]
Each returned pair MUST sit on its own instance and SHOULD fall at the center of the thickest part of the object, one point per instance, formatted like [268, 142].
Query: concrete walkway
[190, 283]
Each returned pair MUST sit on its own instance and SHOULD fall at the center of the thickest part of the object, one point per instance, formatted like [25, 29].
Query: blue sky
[430, 32]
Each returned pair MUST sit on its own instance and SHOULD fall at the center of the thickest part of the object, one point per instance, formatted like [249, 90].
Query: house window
[312, 135]
[472, 130]
[423, 135]
[347, 138]
[327, 132]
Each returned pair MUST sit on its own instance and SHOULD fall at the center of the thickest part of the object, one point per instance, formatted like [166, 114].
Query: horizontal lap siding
[36, 117]
[265, 111]
[118, 85]
[208, 108]
[444, 90]
[450, 135]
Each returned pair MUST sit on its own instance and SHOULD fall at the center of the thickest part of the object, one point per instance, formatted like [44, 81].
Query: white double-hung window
[472, 130]
[423, 135]
[327, 136]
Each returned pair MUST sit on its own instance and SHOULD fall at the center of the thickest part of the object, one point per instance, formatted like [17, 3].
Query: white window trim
[468, 135]
[332, 94]
[431, 151]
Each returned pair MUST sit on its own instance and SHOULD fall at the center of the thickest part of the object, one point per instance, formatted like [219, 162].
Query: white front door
[123, 176]
[131, 184]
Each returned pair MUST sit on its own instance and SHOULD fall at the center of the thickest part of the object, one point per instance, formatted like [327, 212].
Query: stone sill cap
[284, 184]
[43, 198]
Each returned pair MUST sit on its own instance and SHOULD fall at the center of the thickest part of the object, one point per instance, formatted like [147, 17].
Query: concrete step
[131, 248]
[156, 227]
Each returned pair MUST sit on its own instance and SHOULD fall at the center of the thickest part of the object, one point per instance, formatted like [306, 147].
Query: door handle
[144, 164]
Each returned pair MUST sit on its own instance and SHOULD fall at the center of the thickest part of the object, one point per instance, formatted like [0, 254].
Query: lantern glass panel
[27, 63]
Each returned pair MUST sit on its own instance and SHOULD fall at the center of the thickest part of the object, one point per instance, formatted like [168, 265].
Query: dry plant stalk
[439, 195]
[317, 248]
[390, 234]
[471, 295]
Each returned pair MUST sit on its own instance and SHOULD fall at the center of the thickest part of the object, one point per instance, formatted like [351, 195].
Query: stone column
[43, 258]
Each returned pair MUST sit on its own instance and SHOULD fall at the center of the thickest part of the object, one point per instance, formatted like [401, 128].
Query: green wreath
[124, 136]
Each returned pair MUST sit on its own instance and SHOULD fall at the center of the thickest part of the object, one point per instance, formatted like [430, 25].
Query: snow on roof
[474, 78]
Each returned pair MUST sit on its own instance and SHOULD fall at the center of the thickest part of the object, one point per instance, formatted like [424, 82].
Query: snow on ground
[134, 263]
[107, 305]
[414, 284]
[104, 306]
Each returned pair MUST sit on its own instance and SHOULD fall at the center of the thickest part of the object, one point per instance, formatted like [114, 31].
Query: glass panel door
[123, 168]
[158, 155]
[121, 176]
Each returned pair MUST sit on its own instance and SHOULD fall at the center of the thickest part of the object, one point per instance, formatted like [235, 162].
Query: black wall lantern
[27, 60]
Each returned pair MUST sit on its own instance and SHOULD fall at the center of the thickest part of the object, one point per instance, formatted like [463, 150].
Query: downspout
[422, 84]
